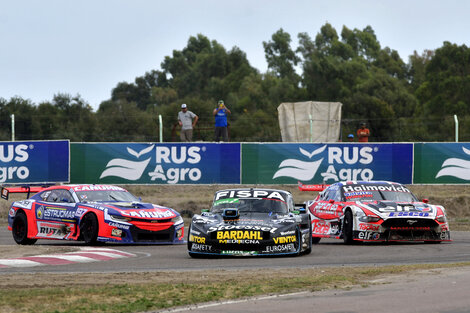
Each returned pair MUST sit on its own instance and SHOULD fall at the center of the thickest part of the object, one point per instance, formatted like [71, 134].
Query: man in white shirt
[187, 121]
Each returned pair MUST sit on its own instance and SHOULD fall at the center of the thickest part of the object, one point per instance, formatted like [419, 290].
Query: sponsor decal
[197, 239]
[285, 239]
[370, 227]
[116, 232]
[320, 227]
[148, 214]
[11, 212]
[352, 188]
[246, 242]
[97, 188]
[53, 213]
[285, 233]
[40, 212]
[401, 208]
[199, 247]
[358, 194]
[408, 214]
[367, 235]
[240, 235]
[52, 230]
[242, 227]
[237, 252]
[280, 248]
[249, 194]
[121, 226]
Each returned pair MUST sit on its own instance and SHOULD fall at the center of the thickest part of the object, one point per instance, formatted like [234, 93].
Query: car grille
[142, 235]
[409, 223]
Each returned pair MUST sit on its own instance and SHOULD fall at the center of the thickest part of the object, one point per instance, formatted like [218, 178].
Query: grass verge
[138, 292]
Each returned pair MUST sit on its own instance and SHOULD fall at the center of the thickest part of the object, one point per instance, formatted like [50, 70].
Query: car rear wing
[319, 187]
[20, 189]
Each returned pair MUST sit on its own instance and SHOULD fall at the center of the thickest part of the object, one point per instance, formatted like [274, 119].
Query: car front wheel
[89, 229]
[20, 230]
[348, 228]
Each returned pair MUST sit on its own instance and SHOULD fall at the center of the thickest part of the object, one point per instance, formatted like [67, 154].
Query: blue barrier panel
[26, 162]
[156, 163]
[288, 163]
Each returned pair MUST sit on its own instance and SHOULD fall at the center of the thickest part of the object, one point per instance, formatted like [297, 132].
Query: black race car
[251, 222]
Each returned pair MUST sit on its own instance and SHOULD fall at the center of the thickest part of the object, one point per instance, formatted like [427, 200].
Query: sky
[87, 47]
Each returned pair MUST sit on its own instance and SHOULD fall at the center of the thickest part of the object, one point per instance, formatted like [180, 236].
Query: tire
[89, 229]
[309, 249]
[20, 230]
[348, 228]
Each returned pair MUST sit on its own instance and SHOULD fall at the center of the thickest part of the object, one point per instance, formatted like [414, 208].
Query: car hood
[399, 209]
[246, 220]
[140, 210]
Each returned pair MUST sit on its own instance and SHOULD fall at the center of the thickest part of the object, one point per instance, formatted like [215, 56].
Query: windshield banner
[155, 163]
[313, 163]
[29, 162]
[442, 163]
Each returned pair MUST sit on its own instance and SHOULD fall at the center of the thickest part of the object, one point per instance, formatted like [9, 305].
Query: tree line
[400, 102]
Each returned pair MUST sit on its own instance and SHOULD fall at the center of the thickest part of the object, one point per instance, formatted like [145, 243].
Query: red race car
[374, 211]
[92, 213]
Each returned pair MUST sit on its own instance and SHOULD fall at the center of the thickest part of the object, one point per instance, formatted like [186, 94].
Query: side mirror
[425, 200]
[331, 201]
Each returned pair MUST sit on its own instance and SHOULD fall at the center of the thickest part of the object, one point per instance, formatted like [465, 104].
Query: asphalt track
[439, 291]
[327, 253]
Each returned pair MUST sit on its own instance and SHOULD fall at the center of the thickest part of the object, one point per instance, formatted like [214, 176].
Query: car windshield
[379, 193]
[106, 196]
[260, 205]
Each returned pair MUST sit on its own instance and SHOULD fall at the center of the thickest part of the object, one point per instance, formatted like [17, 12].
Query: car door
[327, 212]
[55, 214]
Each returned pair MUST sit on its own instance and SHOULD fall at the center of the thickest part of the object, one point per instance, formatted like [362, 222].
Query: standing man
[187, 121]
[220, 114]
[363, 133]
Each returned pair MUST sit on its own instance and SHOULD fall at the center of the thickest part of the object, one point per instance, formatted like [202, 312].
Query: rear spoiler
[320, 187]
[20, 189]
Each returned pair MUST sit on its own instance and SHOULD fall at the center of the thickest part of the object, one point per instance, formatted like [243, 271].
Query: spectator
[351, 137]
[187, 121]
[363, 133]
[220, 114]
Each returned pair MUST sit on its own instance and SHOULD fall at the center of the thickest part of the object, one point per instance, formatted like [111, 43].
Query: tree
[280, 57]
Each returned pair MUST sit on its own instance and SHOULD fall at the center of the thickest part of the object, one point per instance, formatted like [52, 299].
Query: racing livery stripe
[85, 255]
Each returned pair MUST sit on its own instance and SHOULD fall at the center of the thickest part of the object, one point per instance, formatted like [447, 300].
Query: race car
[250, 222]
[374, 211]
[91, 213]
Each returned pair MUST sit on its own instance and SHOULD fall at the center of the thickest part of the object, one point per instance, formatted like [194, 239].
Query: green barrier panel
[441, 163]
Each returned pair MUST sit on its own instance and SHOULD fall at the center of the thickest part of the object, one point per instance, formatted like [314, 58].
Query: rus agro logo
[459, 168]
[337, 158]
[165, 157]
[16, 153]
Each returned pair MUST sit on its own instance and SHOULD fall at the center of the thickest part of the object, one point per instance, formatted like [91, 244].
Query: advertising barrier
[441, 163]
[288, 163]
[156, 163]
[29, 162]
